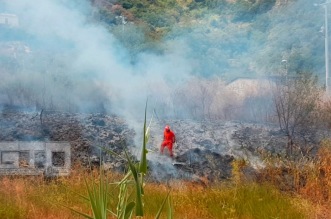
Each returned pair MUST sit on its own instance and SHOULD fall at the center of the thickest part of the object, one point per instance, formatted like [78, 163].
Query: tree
[296, 98]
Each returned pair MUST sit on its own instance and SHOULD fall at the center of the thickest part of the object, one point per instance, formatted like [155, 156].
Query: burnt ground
[203, 149]
[85, 132]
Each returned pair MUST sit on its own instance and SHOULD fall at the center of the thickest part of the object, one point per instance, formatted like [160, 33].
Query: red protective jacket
[169, 136]
[168, 139]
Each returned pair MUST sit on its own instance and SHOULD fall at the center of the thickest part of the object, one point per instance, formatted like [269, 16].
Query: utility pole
[326, 44]
[326, 48]
[284, 61]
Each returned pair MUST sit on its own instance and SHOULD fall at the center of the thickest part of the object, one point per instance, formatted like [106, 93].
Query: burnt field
[204, 149]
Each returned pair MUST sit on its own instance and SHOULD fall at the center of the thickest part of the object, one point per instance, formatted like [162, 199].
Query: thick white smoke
[76, 64]
[66, 45]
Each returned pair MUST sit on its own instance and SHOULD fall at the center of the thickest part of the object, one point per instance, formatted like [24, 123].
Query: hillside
[84, 60]
[240, 82]
[224, 38]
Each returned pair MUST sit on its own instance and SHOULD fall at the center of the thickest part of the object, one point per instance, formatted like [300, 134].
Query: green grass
[250, 201]
[244, 201]
[10, 210]
[40, 200]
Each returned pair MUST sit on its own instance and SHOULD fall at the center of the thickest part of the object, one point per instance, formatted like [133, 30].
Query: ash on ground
[203, 148]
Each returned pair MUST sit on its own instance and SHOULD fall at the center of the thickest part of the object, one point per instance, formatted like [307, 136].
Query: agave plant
[98, 193]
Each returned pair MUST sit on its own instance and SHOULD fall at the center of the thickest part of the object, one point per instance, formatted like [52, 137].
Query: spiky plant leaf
[129, 209]
[139, 201]
[121, 204]
[80, 213]
[162, 206]
[143, 160]
[170, 208]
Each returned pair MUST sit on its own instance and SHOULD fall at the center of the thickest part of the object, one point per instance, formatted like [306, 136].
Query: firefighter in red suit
[169, 139]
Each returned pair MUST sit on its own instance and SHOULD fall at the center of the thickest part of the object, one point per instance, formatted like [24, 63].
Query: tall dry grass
[283, 189]
[318, 177]
[33, 197]
[37, 197]
[310, 179]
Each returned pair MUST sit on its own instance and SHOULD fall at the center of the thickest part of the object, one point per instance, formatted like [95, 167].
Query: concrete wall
[35, 158]
[10, 20]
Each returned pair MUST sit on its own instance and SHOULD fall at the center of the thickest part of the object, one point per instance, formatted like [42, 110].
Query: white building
[10, 20]
[248, 87]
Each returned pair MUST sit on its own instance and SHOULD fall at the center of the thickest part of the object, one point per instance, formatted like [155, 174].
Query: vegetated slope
[228, 38]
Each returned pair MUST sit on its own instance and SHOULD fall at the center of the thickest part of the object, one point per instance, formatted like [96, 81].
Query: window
[58, 159]
[23, 159]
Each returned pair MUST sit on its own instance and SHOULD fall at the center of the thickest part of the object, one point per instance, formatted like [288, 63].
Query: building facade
[10, 20]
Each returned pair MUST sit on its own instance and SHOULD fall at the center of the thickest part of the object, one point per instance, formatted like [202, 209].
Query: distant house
[10, 20]
[247, 87]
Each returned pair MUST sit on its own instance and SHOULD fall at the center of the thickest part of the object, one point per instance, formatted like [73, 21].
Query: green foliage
[97, 198]
[143, 160]
[247, 200]
[253, 201]
[107, 17]
[133, 37]
[158, 214]
[256, 32]
[139, 188]
[127, 5]
[98, 194]
[247, 11]
[209, 4]
[11, 210]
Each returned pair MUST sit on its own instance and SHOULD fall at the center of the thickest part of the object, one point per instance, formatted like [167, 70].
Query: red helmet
[167, 128]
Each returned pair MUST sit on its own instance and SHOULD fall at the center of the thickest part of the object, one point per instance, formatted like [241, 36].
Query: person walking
[169, 138]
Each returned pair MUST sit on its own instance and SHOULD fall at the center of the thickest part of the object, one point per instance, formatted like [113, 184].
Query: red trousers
[169, 145]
